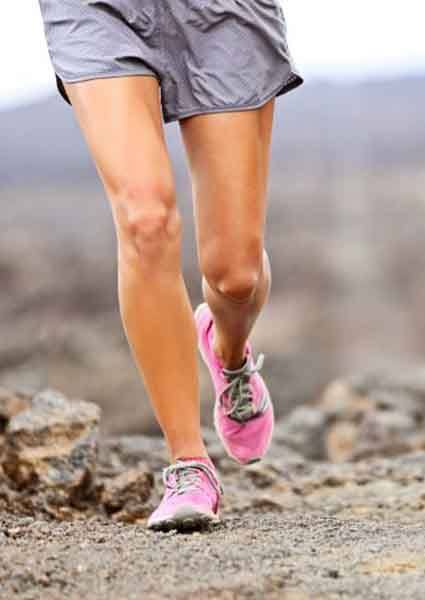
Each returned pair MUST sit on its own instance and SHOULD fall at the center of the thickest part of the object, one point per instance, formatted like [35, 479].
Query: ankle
[203, 459]
[228, 360]
[186, 453]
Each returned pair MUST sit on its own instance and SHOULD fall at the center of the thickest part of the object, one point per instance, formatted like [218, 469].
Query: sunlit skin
[228, 156]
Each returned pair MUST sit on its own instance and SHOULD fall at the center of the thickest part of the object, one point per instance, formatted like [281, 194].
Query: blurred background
[345, 227]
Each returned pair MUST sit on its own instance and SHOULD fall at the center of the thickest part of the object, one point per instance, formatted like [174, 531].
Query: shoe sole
[198, 309]
[253, 461]
[185, 520]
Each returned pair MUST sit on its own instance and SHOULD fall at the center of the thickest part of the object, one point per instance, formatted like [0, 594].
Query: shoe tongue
[203, 459]
[206, 460]
[233, 372]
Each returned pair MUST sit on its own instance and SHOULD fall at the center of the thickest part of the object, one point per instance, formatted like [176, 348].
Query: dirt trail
[335, 510]
[291, 555]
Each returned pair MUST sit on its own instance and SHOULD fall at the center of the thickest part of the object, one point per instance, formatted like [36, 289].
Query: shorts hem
[60, 80]
[293, 81]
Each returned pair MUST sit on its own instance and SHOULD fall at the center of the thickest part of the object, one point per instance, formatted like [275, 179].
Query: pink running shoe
[243, 410]
[192, 496]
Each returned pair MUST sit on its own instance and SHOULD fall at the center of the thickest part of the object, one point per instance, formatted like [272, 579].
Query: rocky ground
[336, 509]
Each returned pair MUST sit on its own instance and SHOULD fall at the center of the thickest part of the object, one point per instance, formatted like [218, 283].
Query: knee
[147, 217]
[238, 285]
[233, 278]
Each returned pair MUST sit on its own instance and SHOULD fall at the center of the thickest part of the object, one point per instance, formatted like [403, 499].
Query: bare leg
[229, 158]
[121, 121]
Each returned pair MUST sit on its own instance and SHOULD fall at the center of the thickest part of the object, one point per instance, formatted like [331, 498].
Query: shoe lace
[187, 477]
[239, 391]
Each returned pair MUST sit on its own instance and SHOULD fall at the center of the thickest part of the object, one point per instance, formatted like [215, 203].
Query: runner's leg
[121, 122]
[229, 160]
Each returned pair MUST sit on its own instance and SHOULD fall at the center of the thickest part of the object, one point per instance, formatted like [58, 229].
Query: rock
[303, 430]
[381, 390]
[53, 446]
[283, 455]
[341, 401]
[383, 433]
[128, 493]
[374, 414]
[117, 454]
[262, 475]
[227, 466]
[11, 404]
[266, 503]
[341, 441]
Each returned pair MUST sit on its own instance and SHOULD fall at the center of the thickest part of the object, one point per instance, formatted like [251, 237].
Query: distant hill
[376, 122]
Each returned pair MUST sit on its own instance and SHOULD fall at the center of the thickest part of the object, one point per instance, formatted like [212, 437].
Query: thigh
[120, 118]
[228, 155]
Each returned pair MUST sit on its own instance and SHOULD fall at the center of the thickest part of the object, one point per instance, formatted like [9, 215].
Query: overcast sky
[341, 39]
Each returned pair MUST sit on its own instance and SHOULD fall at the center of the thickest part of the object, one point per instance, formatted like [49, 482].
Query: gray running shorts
[207, 55]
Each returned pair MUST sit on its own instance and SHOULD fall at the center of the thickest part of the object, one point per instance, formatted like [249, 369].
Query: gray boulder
[53, 445]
